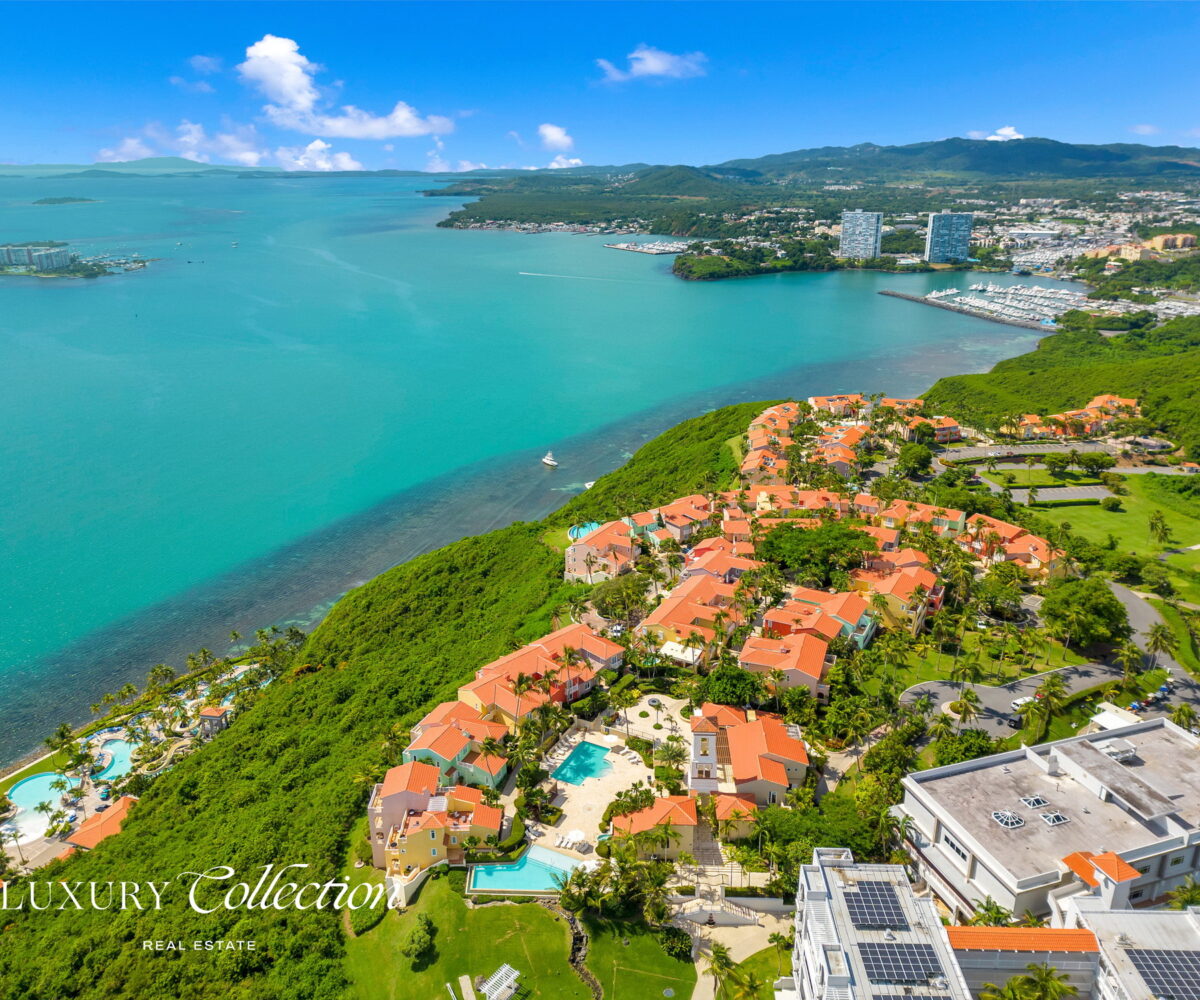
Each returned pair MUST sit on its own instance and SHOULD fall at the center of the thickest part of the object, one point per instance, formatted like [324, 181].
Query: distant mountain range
[964, 159]
[978, 157]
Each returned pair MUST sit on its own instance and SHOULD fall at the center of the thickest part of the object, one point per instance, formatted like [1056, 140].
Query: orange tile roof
[1080, 862]
[102, 825]
[213, 711]
[1030, 939]
[415, 776]
[734, 806]
[1115, 867]
[759, 749]
[675, 810]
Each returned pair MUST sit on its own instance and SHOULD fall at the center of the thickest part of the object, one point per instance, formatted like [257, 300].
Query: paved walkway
[742, 942]
[996, 702]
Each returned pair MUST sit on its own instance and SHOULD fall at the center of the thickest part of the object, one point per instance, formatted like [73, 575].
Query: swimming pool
[578, 531]
[26, 796]
[534, 872]
[588, 760]
[120, 763]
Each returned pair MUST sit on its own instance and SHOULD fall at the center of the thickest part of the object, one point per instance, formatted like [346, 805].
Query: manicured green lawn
[1078, 712]
[767, 965]
[1187, 653]
[734, 444]
[55, 763]
[1023, 476]
[1130, 525]
[471, 942]
[557, 539]
[937, 665]
[639, 970]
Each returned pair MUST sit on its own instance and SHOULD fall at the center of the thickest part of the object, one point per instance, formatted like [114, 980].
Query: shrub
[456, 878]
[676, 942]
[366, 917]
[418, 942]
[1110, 503]
[362, 851]
[643, 714]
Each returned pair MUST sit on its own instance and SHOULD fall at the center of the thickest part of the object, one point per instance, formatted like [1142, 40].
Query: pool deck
[583, 805]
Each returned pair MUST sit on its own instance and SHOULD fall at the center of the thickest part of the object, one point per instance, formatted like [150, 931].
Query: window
[1137, 895]
[1054, 819]
[433, 853]
[1177, 861]
[432, 834]
[1008, 820]
[953, 845]
[453, 840]
[1143, 869]
[1033, 801]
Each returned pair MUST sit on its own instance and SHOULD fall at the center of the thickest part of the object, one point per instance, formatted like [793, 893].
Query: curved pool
[26, 795]
[120, 761]
[587, 760]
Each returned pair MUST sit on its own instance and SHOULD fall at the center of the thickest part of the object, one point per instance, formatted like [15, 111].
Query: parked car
[102, 806]
[1018, 702]
[1014, 721]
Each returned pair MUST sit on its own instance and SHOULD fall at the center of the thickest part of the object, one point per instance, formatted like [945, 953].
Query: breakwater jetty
[978, 313]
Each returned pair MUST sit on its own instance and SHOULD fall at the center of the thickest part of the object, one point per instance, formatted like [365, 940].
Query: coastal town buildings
[948, 237]
[861, 234]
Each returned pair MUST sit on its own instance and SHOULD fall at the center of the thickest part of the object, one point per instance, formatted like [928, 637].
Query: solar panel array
[888, 962]
[1171, 975]
[896, 996]
[875, 905]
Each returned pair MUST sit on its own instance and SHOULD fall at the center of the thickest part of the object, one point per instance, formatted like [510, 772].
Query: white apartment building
[861, 234]
[1114, 815]
[861, 934]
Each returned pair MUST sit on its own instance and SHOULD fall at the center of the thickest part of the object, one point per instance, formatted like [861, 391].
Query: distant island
[64, 201]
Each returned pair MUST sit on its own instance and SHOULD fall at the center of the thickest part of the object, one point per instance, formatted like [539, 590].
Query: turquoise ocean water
[236, 435]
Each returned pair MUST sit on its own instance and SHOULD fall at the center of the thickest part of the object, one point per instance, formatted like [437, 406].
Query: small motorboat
[588, 486]
[549, 459]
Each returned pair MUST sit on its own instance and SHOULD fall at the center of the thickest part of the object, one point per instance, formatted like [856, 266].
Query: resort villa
[100, 825]
[213, 719]
[1093, 420]
[415, 822]
[676, 815]
[452, 738]
[741, 752]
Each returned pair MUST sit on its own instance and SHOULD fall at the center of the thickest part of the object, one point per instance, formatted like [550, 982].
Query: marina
[658, 247]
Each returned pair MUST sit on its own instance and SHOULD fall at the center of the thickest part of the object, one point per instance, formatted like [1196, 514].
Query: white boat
[588, 486]
[548, 459]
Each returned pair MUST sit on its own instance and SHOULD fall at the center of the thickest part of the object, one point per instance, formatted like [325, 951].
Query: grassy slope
[1067, 369]
[277, 787]
[639, 970]
[466, 942]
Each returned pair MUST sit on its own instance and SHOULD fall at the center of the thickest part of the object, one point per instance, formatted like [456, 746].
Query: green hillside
[1161, 367]
[280, 785]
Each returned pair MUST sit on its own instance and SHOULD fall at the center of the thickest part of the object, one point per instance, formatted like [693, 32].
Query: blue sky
[454, 84]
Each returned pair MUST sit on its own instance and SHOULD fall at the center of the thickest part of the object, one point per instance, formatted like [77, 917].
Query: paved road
[1058, 493]
[996, 702]
[1004, 449]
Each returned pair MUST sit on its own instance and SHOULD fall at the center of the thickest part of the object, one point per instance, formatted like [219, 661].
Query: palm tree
[1160, 639]
[968, 707]
[720, 965]
[1183, 715]
[1186, 895]
[16, 841]
[941, 727]
[989, 913]
[781, 942]
[1160, 531]
[1043, 982]
[1014, 989]
[748, 986]
[1130, 658]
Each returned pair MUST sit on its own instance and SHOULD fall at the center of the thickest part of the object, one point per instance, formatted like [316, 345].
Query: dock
[651, 248]
[977, 313]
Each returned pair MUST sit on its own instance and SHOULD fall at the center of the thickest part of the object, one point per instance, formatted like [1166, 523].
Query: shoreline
[298, 583]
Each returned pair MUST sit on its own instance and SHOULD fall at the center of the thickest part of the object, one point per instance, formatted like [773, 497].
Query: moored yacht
[549, 459]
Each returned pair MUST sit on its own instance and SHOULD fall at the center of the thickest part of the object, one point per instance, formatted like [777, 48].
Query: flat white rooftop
[1119, 790]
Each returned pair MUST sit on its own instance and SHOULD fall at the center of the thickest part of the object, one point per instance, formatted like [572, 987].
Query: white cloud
[1144, 129]
[977, 134]
[470, 165]
[1004, 133]
[515, 136]
[191, 86]
[205, 64]
[555, 137]
[285, 76]
[236, 143]
[315, 156]
[563, 161]
[129, 148]
[647, 61]
[276, 67]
